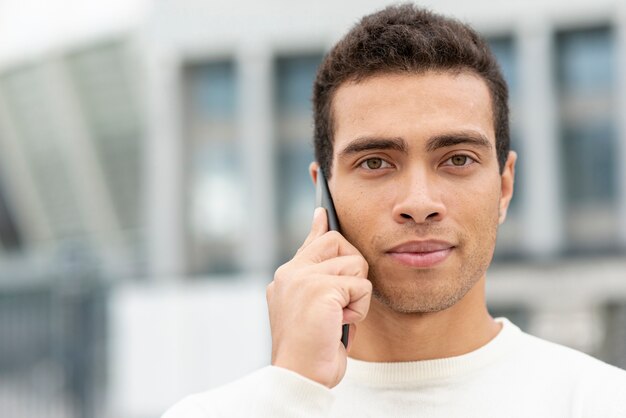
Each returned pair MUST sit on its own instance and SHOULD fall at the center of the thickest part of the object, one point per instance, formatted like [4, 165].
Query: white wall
[168, 341]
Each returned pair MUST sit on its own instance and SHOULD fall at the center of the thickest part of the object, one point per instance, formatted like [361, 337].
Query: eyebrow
[373, 143]
[457, 138]
[399, 144]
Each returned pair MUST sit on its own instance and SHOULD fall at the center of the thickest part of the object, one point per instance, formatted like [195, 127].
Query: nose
[419, 199]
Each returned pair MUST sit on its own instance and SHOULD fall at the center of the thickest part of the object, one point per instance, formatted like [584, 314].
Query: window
[294, 127]
[510, 232]
[585, 76]
[216, 195]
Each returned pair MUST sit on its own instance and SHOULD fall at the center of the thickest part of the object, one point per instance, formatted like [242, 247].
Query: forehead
[412, 106]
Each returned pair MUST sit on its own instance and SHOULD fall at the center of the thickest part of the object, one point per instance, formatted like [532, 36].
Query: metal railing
[52, 341]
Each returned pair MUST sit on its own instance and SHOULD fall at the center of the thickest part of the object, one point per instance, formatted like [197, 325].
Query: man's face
[416, 184]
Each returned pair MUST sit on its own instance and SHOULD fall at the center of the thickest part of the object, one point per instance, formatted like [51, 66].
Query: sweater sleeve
[606, 393]
[268, 392]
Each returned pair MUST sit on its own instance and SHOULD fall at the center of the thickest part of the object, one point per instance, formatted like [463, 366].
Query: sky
[30, 27]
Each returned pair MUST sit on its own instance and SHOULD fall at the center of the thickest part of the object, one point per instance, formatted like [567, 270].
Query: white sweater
[514, 375]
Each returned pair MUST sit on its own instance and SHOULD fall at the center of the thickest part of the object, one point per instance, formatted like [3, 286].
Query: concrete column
[164, 166]
[541, 208]
[256, 99]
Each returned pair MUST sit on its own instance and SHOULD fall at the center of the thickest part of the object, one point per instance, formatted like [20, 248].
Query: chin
[405, 304]
[425, 292]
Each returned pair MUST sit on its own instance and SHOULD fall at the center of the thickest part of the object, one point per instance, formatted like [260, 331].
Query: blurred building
[153, 175]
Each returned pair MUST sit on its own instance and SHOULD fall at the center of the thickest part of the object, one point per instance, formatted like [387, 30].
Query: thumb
[318, 228]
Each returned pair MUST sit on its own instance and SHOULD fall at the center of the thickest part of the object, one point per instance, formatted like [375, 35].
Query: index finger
[318, 228]
[330, 245]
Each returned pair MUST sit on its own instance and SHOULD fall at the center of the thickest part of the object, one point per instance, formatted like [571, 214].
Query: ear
[506, 185]
[313, 168]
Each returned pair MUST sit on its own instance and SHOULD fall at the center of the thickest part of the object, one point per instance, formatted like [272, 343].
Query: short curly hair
[405, 39]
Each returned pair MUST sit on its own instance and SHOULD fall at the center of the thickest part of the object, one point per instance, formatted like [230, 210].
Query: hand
[324, 286]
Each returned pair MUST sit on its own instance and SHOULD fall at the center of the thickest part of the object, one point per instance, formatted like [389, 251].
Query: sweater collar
[414, 372]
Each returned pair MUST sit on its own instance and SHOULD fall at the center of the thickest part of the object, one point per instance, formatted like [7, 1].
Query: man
[411, 130]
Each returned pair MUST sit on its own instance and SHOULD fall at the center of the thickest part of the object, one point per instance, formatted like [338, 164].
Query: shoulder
[262, 393]
[546, 356]
[593, 385]
[565, 359]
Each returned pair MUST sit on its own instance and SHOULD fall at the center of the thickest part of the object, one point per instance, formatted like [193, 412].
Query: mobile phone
[325, 200]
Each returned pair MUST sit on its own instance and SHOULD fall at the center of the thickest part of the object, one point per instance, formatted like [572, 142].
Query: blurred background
[153, 174]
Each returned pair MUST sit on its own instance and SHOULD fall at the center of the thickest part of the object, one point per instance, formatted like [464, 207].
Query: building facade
[151, 175]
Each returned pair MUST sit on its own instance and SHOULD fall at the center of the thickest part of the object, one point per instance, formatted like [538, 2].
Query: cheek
[478, 208]
[471, 204]
[472, 199]
[359, 211]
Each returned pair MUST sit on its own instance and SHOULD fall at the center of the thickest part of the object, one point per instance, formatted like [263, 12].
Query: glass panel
[216, 187]
[296, 194]
[32, 109]
[585, 71]
[586, 61]
[108, 99]
[10, 238]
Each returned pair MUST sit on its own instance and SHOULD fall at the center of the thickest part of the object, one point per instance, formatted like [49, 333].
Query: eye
[374, 164]
[459, 160]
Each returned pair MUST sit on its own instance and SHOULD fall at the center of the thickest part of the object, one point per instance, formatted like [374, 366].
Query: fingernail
[317, 212]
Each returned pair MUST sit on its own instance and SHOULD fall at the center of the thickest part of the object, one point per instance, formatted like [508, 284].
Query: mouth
[421, 254]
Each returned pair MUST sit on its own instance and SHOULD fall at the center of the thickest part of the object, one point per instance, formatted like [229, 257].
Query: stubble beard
[432, 290]
[416, 299]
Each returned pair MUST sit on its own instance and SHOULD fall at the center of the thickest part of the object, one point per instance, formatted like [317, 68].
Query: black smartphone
[325, 200]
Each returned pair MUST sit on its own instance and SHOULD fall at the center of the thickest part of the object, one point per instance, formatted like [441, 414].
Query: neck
[388, 336]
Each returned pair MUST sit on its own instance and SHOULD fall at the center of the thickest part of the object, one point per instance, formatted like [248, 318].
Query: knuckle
[364, 265]
[333, 235]
[356, 263]
[281, 272]
[360, 265]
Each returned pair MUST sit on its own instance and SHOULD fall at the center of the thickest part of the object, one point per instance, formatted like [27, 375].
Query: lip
[421, 254]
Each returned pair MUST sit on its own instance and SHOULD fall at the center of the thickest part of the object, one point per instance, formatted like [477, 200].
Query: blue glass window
[586, 80]
[296, 196]
[505, 52]
[504, 48]
[216, 184]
